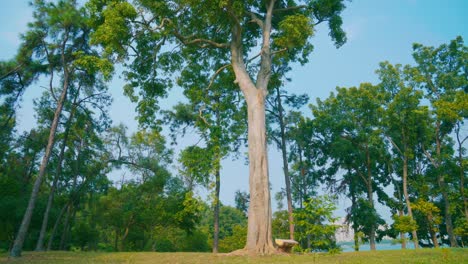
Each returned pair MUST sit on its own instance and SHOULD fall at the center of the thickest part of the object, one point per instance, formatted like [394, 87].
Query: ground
[445, 255]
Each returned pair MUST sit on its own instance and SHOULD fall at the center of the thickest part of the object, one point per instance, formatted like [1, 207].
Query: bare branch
[203, 43]
[14, 70]
[51, 72]
[200, 114]
[279, 51]
[394, 145]
[291, 8]
[86, 98]
[216, 74]
[434, 163]
[255, 18]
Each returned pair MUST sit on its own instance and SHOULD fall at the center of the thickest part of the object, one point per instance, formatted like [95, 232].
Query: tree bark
[20, 237]
[284, 153]
[259, 235]
[407, 200]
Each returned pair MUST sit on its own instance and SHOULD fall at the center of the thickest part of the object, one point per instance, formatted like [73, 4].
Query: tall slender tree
[278, 103]
[404, 120]
[441, 72]
[58, 37]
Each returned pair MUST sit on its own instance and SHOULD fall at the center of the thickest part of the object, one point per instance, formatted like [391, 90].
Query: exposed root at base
[266, 251]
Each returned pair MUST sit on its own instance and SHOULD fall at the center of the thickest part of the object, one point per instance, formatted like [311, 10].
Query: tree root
[258, 251]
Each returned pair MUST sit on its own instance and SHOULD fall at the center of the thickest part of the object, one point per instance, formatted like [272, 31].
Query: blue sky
[377, 31]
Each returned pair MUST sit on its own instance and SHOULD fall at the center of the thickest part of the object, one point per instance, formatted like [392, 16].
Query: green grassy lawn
[458, 256]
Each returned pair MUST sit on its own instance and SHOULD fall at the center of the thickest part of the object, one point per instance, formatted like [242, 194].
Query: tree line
[404, 134]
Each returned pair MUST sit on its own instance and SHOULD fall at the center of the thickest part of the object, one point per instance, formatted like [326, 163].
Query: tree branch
[395, 145]
[207, 42]
[216, 74]
[291, 8]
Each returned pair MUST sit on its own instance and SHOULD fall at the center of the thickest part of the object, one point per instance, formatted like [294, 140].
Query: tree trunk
[27, 176]
[370, 196]
[443, 190]
[356, 240]
[217, 165]
[58, 172]
[402, 235]
[353, 210]
[216, 208]
[435, 242]
[448, 215]
[20, 237]
[65, 228]
[284, 153]
[407, 200]
[54, 230]
[259, 235]
[462, 169]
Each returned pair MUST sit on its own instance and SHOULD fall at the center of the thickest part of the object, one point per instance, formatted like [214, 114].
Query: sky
[377, 31]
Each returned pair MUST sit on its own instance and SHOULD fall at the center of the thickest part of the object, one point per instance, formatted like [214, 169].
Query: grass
[445, 255]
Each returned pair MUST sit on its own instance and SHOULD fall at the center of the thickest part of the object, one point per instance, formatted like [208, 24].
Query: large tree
[167, 36]
[404, 121]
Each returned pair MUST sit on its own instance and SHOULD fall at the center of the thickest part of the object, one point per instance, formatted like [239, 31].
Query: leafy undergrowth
[458, 256]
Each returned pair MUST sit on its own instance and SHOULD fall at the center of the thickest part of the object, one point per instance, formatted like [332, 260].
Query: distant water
[384, 245]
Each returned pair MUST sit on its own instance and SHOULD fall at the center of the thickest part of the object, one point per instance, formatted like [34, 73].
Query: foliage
[404, 223]
[316, 223]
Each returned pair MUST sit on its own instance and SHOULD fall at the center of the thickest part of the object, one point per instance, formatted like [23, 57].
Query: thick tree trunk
[58, 172]
[284, 154]
[21, 236]
[407, 200]
[259, 234]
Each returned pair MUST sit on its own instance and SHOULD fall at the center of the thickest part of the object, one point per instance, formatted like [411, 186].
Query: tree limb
[290, 8]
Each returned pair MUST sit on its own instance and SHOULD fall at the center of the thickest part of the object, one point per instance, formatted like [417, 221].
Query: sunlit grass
[458, 256]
